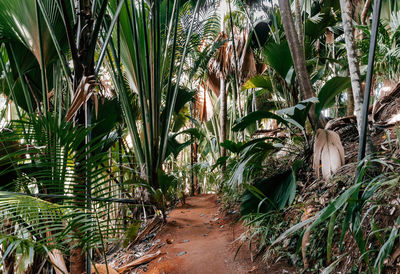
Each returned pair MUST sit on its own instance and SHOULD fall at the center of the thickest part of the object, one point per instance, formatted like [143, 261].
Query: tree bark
[350, 102]
[354, 68]
[77, 260]
[298, 56]
[299, 23]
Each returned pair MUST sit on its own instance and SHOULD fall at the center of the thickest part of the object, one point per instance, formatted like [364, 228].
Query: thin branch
[365, 12]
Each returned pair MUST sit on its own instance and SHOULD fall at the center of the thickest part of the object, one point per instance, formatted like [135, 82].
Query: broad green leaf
[299, 112]
[184, 96]
[258, 81]
[131, 232]
[166, 181]
[19, 22]
[279, 189]
[232, 146]
[278, 57]
[108, 115]
[251, 118]
[329, 91]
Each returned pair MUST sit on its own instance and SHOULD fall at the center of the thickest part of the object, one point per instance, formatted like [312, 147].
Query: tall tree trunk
[223, 98]
[354, 68]
[298, 56]
[223, 115]
[193, 154]
[82, 52]
[299, 23]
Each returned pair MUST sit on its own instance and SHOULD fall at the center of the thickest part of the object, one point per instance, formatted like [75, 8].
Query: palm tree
[298, 56]
[354, 69]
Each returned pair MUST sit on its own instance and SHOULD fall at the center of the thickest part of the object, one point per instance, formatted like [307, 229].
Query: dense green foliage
[114, 111]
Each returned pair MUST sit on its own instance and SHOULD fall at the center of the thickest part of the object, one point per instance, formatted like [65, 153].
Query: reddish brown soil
[207, 236]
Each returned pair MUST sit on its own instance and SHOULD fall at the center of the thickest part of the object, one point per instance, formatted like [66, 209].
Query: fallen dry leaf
[142, 260]
[254, 268]
[102, 269]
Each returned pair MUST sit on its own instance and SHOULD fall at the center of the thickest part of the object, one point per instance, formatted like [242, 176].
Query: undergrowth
[357, 229]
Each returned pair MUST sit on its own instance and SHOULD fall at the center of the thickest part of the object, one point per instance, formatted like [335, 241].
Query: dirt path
[201, 241]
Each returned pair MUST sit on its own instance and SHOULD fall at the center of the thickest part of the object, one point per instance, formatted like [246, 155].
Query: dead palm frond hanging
[83, 93]
[224, 64]
[328, 153]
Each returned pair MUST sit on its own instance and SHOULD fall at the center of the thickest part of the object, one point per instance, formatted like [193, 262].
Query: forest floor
[200, 238]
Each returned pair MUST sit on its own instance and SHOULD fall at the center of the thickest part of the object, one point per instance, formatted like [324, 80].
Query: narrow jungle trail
[199, 240]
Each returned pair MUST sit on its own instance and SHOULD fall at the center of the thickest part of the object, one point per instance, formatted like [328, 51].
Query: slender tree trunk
[354, 68]
[223, 117]
[298, 56]
[193, 151]
[350, 102]
[299, 23]
[193, 154]
[83, 66]
[363, 16]
[196, 178]
[364, 13]
[223, 99]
